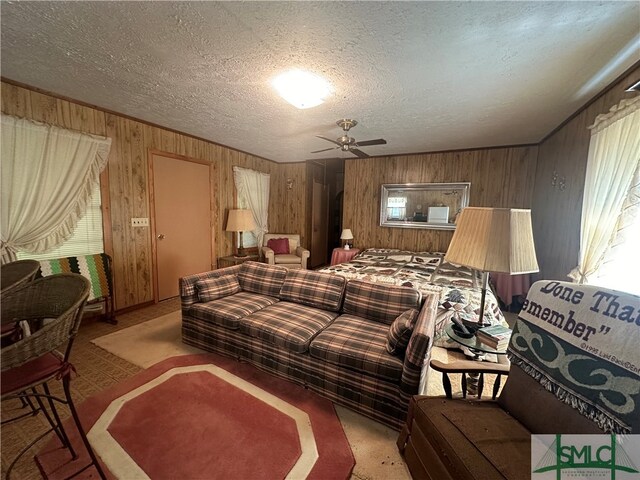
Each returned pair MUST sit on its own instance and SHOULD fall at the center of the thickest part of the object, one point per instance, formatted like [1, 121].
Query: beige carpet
[148, 343]
[373, 444]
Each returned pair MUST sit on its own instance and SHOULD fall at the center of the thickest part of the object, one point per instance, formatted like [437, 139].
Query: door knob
[161, 236]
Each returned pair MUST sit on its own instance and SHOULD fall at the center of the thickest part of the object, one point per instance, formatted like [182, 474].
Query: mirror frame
[462, 187]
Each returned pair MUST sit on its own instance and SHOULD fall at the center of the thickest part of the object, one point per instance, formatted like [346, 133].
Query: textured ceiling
[426, 76]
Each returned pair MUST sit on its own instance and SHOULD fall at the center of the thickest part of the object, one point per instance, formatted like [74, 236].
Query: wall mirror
[422, 205]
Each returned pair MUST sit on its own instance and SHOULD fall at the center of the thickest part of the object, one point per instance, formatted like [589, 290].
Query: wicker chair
[15, 275]
[30, 363]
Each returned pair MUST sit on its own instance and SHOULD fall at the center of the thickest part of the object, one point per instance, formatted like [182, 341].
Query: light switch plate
[139, 222]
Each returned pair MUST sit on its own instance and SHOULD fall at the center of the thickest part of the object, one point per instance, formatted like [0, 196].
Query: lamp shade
[240, 221]
[494, 240]
[346, 234]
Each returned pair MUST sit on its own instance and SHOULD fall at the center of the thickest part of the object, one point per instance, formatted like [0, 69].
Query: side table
[476, 370]
[472, 370]
[509, 286]
[340, 255]
[231, 260]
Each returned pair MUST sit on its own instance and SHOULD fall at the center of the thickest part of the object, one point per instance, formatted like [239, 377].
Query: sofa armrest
[188, 294]
[268, 255]
[419, 349]
[304, 254]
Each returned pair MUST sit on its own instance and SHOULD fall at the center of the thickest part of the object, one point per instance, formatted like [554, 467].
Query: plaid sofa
[316, 329]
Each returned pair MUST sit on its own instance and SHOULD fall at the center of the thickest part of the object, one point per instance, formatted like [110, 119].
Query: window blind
[87, 238]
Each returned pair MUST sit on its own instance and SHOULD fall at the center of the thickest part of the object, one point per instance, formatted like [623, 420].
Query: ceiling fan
[347, 143]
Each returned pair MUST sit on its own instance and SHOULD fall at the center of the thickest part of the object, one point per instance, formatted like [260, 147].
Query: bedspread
[458, 288]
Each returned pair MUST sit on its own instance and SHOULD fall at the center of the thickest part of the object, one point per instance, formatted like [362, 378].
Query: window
[249, 239]
[621, 272]
[87, 238]
[609, 254]
[396, 207]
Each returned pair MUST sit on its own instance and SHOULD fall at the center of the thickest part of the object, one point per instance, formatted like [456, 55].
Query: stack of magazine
[494, 336]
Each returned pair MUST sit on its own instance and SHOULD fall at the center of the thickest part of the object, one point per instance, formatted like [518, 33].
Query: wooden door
[319, 224]
[181, 223]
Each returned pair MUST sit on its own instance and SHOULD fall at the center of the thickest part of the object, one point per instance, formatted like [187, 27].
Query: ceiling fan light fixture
[302, 89]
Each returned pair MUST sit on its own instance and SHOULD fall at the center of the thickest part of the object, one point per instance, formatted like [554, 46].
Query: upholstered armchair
[294, 256]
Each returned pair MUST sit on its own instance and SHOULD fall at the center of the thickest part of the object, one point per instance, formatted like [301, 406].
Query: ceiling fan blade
[329, 140]
[377, 141]
[359, 153]
[325, 150]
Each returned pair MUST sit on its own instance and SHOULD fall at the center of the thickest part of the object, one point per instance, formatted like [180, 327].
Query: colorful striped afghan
[96, 268]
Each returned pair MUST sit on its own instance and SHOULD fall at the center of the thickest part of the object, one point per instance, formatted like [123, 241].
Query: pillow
[279, 245]
[400, 332]
[214, 288]
[379, 302]
[293, 244]
[261, 278]
[315, 289]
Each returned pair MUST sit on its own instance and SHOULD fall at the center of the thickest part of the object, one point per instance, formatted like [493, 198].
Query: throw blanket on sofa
[458, 288]
[582, 344]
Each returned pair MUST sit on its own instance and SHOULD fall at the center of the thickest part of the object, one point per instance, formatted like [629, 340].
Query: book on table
[494, 336]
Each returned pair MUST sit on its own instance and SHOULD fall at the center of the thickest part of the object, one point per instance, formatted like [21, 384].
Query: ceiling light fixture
[302, 89]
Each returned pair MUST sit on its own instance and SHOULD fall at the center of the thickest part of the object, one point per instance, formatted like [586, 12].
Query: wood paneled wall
[557, 213]
[128, 182]
[500, 177]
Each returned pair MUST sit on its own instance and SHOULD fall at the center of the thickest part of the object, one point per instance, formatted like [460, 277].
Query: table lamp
[493, 240]
[240, 221]
[346, 236]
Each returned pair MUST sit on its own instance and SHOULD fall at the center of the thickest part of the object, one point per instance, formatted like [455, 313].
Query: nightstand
[340, 255]
[231, 260]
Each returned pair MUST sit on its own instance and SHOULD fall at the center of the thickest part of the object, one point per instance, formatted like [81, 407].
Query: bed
[458, 288]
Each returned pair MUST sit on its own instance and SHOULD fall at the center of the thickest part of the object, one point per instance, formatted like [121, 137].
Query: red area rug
[206, 416]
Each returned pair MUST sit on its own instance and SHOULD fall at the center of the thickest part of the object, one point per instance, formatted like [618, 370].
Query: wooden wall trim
[499, 176]
[618, 82]
[105, 200]
[126, 189]
[184, 158]
[123, 115]
[129, 117]
[458, 150]
[557, 213]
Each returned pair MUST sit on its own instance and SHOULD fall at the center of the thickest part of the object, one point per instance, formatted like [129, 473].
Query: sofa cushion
[228, 311]
[287, 259]
[319, 290]
[379, 302]
[400, 332]
[279, 246]
[357, 344]
[211, 289]
[287, 325]
[260, 278]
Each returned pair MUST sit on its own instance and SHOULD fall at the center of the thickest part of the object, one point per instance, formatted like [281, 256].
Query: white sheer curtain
[614, 156]
[253, 186]
[47, 175]
[621, 264]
